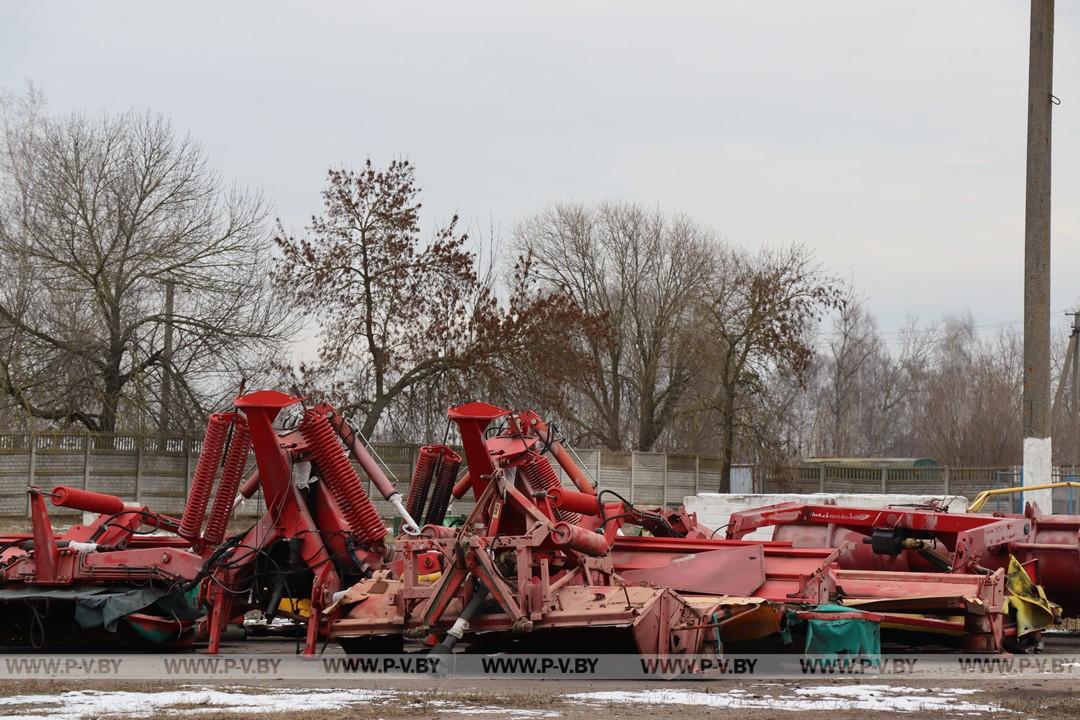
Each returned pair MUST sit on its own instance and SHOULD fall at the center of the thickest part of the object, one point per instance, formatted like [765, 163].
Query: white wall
[742, 479]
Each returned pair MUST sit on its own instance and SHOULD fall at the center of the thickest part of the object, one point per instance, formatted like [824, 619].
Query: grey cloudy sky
[887, 136]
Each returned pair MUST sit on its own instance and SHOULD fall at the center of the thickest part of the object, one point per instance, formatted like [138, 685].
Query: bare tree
[862, 392]
[757, 318]
[641, 271]
[96, 217]
[970, 404]
[890, 392]
[854, 345]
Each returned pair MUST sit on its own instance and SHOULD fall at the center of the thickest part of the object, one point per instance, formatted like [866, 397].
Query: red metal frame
[1047, 545]
[538, 572]
[109, 551]
[532, 555]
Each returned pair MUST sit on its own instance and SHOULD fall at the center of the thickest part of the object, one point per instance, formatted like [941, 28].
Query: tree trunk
[727, 437]
[113, 378]
[378, 407]
[647, 430]
[110, 403]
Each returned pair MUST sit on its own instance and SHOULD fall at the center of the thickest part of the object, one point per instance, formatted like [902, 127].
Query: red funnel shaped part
[477, 411]
[268, 399]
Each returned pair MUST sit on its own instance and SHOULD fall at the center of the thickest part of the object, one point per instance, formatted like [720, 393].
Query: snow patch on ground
[82, 704]
[825, 697]
[78, 704]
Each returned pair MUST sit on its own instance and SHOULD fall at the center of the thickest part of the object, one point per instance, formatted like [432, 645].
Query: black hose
[446, 647]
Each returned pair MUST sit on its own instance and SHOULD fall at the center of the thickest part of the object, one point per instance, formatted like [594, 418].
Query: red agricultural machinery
[535, 564]
[134, 571]
[1032, 557]
[537, 558]
[532, 564]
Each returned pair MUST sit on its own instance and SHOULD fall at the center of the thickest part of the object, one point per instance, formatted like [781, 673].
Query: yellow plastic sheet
[1033, 611]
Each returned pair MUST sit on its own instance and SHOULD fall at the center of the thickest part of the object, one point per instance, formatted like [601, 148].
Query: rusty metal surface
[738, 571]
[971, 543]
[532, 560]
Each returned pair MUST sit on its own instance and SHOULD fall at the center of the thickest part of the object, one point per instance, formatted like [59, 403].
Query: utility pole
[1038, 463]
[166, 360]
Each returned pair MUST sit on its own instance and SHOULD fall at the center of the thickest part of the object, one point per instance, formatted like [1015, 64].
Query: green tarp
[100, 607]
[105, 609]
[848, 637]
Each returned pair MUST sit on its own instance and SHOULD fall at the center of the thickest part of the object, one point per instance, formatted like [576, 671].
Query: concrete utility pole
[1038, 464]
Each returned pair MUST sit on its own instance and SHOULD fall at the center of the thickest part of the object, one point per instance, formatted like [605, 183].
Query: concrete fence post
[884, 480]
[945, 480]
[414, 457]
[663, 490]
[697, 474]
[87, 440]
[139, 442]
[187, 466]
[633, 463]
[821, 479]
[32, 467]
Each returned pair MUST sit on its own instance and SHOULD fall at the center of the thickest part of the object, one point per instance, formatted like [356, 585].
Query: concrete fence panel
[156, 471]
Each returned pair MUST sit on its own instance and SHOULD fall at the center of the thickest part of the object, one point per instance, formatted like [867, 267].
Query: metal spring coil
[229, 484]
[421, 481]
[538, 471]
[87, 500]
[202, 483]
[444, 486]
[339, 476]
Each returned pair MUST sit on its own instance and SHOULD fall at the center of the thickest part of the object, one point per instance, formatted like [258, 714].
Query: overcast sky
[887, 136]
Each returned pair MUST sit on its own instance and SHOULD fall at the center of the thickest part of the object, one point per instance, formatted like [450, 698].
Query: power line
[997, 325]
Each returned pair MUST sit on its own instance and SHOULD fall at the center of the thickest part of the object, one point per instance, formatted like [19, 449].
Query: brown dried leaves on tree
[397, 311]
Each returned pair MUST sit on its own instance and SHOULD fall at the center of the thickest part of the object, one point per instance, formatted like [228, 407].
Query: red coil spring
[421, 480]
[340, 477]
[444, 486]
[205, 470]
[87, 500]
[231, 473]
[538, 471]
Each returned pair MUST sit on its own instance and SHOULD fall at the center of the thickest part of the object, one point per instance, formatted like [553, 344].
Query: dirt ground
[399, 697]
[1051, 699]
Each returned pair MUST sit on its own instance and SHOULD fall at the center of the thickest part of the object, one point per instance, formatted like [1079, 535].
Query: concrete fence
[156, 470]
[940, 481]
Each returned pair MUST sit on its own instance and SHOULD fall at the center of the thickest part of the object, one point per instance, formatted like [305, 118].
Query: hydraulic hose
[461, 625]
